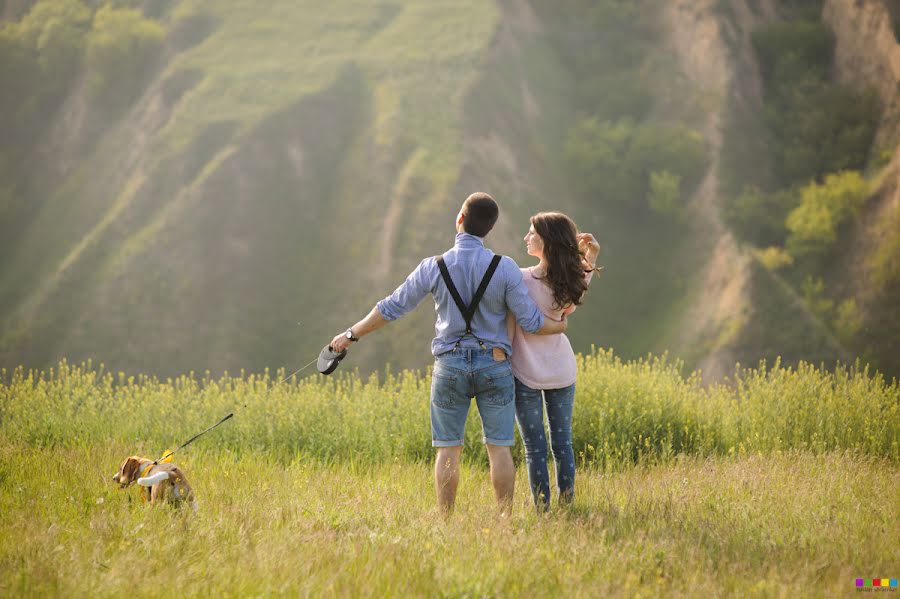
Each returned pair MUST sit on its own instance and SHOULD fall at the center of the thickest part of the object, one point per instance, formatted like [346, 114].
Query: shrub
[774, 258]
[759, 217]
[55, 30]
[885, 260]
[813, 225]
[594, 152]
[815, 126]
[814, 295]
[847, 321]
[614, 161]
[665, 193]
[39, 56]
[121, 47]
[191, 24]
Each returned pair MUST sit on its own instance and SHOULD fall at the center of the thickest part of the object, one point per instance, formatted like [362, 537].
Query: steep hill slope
[288, 162]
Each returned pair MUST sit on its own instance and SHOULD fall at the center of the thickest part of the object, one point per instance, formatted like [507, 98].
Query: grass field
[784, 482]
[785, 524]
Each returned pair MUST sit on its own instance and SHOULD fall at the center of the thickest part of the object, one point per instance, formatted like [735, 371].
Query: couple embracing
[499, 337]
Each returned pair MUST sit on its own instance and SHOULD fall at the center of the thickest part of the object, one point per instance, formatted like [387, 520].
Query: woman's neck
[540, 269]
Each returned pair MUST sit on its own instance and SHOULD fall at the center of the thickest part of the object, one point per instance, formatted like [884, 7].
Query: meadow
[780, 481]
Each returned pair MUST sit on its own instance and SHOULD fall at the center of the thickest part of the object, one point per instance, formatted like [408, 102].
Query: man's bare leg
[446, 477]
[503, 476]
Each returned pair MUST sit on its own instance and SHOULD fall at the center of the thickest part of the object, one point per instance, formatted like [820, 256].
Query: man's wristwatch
[349, 335]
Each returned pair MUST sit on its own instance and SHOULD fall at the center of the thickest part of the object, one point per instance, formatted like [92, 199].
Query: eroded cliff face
[728, 318]
[867, 55]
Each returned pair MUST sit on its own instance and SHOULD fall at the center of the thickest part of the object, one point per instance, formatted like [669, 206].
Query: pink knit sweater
[543, 361]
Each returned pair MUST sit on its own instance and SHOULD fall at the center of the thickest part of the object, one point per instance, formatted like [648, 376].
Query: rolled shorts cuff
[438, 443]
[499, 442]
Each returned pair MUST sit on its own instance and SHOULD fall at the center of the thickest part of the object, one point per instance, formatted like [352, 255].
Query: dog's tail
[149, 481]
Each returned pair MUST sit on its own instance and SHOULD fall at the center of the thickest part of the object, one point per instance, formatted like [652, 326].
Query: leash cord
[230, 415]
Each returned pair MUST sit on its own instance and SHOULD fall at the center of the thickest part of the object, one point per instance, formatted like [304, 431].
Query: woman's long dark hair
[565, 270]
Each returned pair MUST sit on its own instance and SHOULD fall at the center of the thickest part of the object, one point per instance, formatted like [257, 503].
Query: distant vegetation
[816, 126]
[813, 225]
[623, 165]
[618, 158]
[41, 58]
[813, 127]
[800, 191]
[121, 48]
[264, 128]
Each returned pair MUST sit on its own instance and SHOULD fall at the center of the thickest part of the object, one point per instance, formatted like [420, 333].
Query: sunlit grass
[759, 525]
[783, 482]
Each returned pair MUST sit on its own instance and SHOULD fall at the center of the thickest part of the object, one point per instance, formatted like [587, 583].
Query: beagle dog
[159, 482]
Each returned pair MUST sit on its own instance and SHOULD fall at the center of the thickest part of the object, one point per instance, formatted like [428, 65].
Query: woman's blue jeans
[530, 418]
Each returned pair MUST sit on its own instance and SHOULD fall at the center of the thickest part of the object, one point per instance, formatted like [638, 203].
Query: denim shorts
[458, 376]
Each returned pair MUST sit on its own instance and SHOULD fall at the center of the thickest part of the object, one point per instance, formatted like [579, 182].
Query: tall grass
[781, 482]
[793, 524]
[625, 412]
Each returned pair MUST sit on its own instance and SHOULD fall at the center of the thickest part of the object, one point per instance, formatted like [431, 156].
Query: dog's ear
[130, 471]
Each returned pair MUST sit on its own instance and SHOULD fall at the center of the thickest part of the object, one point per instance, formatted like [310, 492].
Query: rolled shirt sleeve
[410, 293]
[523, 308]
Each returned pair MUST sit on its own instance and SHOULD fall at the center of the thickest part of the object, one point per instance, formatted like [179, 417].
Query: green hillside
[185, 182]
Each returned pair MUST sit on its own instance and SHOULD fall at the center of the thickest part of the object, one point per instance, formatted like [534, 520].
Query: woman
[544, 365]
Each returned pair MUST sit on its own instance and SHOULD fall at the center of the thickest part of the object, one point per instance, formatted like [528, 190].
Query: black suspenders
[468, 312]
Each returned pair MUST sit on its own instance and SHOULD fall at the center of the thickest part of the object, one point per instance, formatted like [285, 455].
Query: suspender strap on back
[468, 312]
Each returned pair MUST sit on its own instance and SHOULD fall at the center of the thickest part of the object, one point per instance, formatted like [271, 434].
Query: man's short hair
[480, 212]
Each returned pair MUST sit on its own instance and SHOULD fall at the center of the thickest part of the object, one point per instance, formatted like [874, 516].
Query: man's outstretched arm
[406, 297]
[371, 323]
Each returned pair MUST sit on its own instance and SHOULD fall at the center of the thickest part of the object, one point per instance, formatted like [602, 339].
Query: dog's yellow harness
[145, 491]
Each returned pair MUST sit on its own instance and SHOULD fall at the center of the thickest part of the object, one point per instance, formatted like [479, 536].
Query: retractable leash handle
[329, 359]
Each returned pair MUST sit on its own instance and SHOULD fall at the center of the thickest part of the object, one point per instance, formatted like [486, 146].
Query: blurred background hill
[183, 182]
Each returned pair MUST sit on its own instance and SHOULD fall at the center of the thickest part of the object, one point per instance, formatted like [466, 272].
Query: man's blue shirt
[467, 262]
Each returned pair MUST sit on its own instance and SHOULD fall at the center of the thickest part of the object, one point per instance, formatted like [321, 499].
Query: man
[470, 347]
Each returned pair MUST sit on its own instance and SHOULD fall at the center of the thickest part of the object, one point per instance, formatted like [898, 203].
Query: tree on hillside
[615, 161]
[813, 225]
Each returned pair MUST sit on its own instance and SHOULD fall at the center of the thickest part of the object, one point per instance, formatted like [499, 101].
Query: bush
[665, 193]
[121, 47]
[814, 296]
[594, 152]
[791, 50]
[847, 321]
[191, 24]
[759, 217]
[603, 43]
[885, 260]
[815, 126]
[39, 57]
[774, 258]
[614, 161]
[813, 225]
[55, 30]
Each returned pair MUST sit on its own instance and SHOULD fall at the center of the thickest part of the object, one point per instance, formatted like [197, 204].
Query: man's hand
[340, 343]
[372, 322]
[553, 327]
